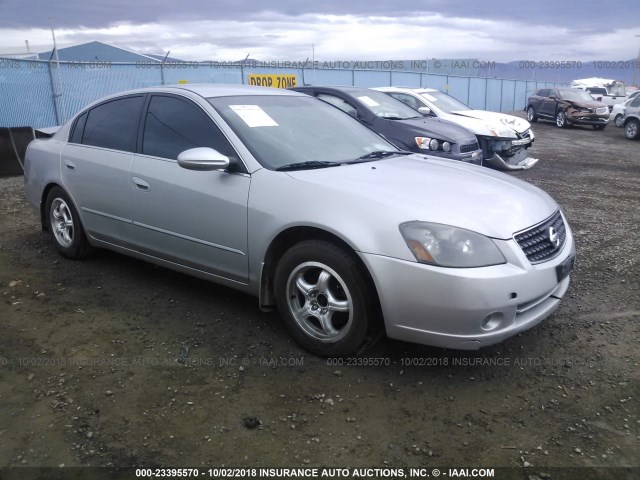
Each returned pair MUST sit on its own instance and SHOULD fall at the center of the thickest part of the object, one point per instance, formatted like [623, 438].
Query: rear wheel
[561, 119]
[531, 115]
[64, 225]
[326, 299]
[632, 129]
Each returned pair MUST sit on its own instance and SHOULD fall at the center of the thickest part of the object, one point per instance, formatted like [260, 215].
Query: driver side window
[174, 125]
[336, 102]
[407, 100]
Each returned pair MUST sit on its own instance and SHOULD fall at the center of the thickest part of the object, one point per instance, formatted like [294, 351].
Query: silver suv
[632, 119]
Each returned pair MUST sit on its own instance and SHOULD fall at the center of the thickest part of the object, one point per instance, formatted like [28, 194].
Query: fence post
[54, 94]
[486, 87]
[501, 91]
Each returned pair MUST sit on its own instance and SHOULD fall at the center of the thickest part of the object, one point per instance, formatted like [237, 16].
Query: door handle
[140, 184]
[70, 165]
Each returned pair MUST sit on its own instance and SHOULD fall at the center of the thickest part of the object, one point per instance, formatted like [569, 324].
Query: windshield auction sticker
[253, 116]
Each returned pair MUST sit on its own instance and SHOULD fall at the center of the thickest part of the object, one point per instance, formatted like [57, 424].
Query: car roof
[208, 90]
[406, 89]
[341, 88]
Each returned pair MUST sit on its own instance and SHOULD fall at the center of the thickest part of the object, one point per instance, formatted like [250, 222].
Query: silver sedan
[286, 198]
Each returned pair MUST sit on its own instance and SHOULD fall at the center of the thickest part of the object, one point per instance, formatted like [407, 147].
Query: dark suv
[567, 106]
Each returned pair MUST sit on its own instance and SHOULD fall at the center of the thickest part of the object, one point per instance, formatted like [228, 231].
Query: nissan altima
[291, 200]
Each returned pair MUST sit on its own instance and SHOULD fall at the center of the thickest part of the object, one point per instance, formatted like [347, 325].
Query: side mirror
[353, 113]
[203, 158]
[552, 97]
[424, 111]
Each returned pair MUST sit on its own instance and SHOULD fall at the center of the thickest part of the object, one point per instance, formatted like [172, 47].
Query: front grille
[526, 134]
[602, 110]
[536, 241]
[468, 148]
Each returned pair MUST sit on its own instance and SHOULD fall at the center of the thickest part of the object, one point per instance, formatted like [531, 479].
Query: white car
[618, 109]
[504, 139]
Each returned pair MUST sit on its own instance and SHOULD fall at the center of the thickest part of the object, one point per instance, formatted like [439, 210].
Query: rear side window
[543, 93]
[114, 124]
[174, 125]
[78, 129]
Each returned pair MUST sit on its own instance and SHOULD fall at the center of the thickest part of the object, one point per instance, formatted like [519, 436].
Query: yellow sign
[273, 80]
[182, 82]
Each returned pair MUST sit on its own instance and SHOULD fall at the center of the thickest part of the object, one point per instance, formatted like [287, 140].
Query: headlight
[447, 246]
[428, 143]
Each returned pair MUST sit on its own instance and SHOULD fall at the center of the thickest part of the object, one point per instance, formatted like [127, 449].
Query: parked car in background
[566, 107]
[618, 109]
[609, 92]
[287, 198]
[504, 139]
[400, 124]
[631, 122]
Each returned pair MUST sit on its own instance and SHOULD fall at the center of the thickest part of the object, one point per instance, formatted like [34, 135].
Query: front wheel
[531, 115]
[632, 129]
[64, 225]
[326, 299]
[619, 120]
[561, 119]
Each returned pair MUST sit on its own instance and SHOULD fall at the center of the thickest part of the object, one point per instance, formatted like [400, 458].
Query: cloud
[359, 30]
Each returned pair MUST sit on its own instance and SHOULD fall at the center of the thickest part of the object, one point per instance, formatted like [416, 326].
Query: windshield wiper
[376, 155]
[307, 165]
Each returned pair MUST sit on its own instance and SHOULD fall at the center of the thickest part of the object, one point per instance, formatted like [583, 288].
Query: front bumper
[474, 157]
[583, 118]
[467, 308]
[506, 153]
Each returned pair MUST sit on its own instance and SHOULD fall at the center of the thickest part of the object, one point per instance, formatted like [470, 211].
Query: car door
[96, 165]
[193, 218]
[549, 103]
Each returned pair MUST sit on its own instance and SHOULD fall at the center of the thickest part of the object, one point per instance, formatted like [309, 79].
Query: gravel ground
[115, 362]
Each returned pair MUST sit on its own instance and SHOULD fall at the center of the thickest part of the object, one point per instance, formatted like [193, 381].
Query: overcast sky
[340, 29]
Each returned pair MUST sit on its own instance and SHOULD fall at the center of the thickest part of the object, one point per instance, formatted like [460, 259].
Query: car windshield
[444, 102]
[384, 106]
[617, 89]
[575, 95]
[282, 130]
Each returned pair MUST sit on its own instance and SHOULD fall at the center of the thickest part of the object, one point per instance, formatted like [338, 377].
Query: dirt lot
[114, 362]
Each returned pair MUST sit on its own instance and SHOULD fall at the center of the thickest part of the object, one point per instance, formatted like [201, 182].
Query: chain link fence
[41, 94]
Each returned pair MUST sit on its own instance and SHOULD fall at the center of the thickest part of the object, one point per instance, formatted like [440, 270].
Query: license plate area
[565, 268]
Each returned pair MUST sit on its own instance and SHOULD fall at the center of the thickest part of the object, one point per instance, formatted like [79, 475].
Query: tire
[326, 299]
[619, 120]
[63, 224]
[531, 115]
[561, 119]
[632, 129]
[599, 127]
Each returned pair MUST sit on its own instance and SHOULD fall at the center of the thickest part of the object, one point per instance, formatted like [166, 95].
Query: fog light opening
[492, 321]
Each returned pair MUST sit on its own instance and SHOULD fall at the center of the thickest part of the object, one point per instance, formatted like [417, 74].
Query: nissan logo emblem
[554, 237]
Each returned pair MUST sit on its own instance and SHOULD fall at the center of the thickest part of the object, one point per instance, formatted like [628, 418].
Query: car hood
[417, 187]
[483, 121]
[439, 128]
